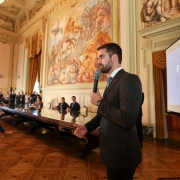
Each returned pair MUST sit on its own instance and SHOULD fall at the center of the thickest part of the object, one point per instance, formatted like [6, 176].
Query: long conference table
[53, 119]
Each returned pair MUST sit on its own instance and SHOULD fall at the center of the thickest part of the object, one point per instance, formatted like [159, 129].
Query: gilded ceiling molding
[21, 1]
[6, 23]
[42, 29]
[11, 9]
[3, 41]
[58, 5]
[6, 38]
[26, 40]
[37, 7]
[73, 3]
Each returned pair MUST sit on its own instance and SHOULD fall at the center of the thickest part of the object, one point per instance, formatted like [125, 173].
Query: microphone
[96, 78]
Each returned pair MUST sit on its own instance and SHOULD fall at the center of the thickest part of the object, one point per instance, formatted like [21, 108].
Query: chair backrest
[49, 105]
[83, 111]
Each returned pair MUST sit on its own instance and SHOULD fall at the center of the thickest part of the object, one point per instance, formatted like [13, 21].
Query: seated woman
[6, 99]
[38, 103]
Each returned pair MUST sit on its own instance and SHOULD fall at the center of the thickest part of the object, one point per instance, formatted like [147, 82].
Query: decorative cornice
[160, 29]
[147, 45]
[6, 38]
[165, 42]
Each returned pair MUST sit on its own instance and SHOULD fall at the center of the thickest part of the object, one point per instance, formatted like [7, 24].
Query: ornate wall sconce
[1, 76]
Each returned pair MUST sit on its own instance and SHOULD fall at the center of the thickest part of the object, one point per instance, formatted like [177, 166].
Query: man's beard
[107, 67]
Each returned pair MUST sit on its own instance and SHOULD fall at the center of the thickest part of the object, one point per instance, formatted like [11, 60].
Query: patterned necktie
[72, 105]
[109, 80]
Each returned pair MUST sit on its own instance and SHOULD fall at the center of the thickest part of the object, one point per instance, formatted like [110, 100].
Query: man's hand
[80, 130]
[95, 97]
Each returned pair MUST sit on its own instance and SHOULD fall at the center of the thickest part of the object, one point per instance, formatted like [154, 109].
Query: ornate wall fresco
[73, 39]
[6, 23]
[159, 11]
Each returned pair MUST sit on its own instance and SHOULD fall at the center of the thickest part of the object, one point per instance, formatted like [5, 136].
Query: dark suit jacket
[22, 98]
[64, 106]
[74, 114]
[140, 111]
[116, 116]
[12, 98]
[18, 99]
[76, 107]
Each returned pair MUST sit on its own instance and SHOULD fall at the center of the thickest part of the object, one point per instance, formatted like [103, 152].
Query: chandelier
[1, 1]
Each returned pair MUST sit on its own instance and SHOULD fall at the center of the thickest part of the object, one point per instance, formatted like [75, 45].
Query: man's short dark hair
[62, 98]
[112, 48]
[73, 97]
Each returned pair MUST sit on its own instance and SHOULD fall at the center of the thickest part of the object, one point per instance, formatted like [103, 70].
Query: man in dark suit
[61, 106]
[139, 123]
[74, 106]
[1, 97]
[18, 96]
[22, 98]
[12, 97]
[116, 116]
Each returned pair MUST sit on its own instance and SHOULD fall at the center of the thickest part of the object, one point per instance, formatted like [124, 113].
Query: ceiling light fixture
[1, 1]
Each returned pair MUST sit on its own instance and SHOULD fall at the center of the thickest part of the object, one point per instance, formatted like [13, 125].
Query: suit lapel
[114, 80]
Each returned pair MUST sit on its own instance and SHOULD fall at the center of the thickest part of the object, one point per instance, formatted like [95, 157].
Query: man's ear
[114, 57]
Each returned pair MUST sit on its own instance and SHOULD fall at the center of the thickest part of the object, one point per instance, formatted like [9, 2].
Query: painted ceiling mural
[15, 12]
[6, 23]
[11, 9]
[158, 11]
[73, 39]
[38, 5]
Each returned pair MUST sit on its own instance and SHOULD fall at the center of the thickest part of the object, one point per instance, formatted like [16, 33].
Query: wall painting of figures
[158, 11]
[73, 38]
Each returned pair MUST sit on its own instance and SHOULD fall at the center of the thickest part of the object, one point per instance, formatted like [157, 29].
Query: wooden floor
[49, 155]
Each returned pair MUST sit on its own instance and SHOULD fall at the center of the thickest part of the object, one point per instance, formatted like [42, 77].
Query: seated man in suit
[74, 114]
[63, 113]
[63, 105]
[74, 106]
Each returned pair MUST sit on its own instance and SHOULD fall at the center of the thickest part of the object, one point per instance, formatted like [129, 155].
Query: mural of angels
[73, 39]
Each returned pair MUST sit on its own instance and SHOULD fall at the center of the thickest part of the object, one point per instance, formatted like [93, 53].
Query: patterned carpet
[50, 155]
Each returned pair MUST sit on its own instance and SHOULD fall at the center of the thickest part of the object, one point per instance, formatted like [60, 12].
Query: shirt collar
[115, 72]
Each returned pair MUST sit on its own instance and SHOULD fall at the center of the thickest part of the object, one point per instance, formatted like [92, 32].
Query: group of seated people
[74, 106]
[63, 108]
